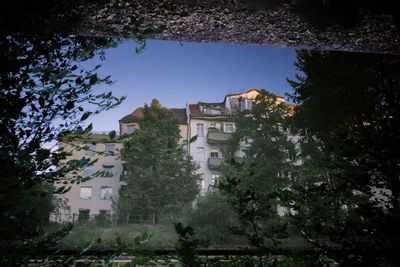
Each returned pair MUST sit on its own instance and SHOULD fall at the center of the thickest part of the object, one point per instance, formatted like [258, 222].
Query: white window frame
[85, 195]
[249, 104]
[106, 192]
[200, 129]
[130, 128]
[214, 177]
[200, 154]
[230, 129]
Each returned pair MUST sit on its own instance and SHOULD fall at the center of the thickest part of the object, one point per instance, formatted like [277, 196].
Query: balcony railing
[214, 163]
[216, 136]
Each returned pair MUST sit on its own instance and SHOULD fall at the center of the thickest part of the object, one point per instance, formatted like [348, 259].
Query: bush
[211, 218]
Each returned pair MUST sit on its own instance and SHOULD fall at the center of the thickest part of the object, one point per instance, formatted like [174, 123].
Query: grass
[162, 235]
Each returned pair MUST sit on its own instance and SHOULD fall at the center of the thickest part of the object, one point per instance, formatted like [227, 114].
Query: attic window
[130, 129]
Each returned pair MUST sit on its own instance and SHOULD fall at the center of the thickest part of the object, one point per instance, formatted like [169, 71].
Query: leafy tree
[346, 194]
[160, 175]
[251, 186]
[44, 92]
[212, 218]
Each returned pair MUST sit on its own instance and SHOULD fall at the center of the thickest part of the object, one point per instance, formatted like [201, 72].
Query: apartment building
[94, 196]
[211, 122]
[129, 123]
[213, 125]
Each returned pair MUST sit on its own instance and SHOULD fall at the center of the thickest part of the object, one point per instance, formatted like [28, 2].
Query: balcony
[216, 136]
[215, 163]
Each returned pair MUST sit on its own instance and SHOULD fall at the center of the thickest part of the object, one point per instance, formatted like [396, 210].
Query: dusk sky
[177, 73]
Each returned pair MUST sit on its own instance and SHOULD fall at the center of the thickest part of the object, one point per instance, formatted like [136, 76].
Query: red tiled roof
[195, 110]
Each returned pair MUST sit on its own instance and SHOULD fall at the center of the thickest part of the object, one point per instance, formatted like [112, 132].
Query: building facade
[95, 196]
[212, 124]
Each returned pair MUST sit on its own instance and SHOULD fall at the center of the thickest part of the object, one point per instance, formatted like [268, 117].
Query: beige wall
[95, 204]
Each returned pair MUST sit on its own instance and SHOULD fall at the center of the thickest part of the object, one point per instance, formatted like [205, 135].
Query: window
[105, 192]
[214, 154]
[242, 103]
[214, 177]
[130, 129]
[109, 149]
[200, 130]
[90, 149]
[207, 111]
[228, 127]
[213, 125]
[86, 192]
[200, 154]
[83, 215]
[249, 104]
[234, 103]
[88, 171]
[108, 170]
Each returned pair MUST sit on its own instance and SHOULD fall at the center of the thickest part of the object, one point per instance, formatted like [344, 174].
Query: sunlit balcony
[216, 136]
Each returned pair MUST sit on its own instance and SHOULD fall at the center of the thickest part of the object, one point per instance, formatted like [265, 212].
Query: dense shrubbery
[212, 218]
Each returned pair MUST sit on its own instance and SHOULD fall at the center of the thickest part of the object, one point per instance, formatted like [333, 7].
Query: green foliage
[186, 245]
[212, 218]
[160, 175]
[251, 186]
[43, 93]
[345, 195]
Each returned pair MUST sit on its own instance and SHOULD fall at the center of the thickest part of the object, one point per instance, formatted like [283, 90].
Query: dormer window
[249, 104]
[242, 103]
[234, 103]
[130, 129]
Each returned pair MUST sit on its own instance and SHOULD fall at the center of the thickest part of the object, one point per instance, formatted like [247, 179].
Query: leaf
[193, 139]
[85, 115]
[93, 79]
[69, 105]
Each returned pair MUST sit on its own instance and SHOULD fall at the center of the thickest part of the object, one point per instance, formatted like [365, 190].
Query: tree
[160, 175]
[212, 218]
[251, 186]
[348, 189]
[44, 92]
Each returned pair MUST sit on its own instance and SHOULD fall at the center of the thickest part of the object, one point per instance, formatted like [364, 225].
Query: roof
[138, 115]
[195, 110]
[248, 91]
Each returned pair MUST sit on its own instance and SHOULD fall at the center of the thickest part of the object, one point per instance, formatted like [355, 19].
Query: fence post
[127, 218]
[154, 219]
[73, 218]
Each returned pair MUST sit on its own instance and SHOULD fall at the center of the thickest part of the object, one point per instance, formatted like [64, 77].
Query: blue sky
[177, 73]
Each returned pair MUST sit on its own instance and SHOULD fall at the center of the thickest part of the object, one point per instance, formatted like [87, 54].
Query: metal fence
[106, 219]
